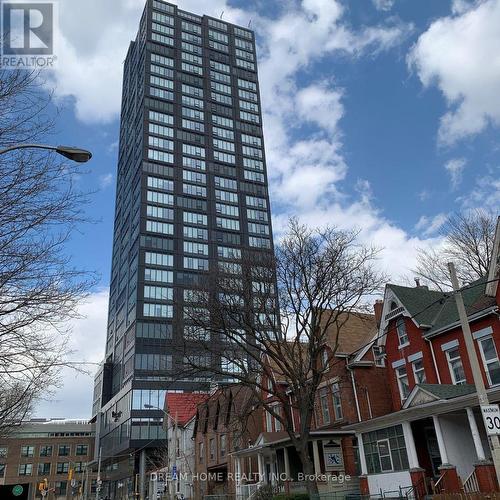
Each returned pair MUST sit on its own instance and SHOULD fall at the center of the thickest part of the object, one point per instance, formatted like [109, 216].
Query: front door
[432, 449]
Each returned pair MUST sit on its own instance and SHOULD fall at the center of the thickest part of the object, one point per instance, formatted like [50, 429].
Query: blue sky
[379, 114]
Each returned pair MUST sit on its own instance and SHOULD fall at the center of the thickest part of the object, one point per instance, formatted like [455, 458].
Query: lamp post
[76, 154]
[152, 407]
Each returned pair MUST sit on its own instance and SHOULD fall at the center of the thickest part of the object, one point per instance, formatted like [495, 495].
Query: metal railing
[338, 495]
[438, 486]
[470, 484]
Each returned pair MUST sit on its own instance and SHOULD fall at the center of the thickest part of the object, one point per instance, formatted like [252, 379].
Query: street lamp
[75, 154]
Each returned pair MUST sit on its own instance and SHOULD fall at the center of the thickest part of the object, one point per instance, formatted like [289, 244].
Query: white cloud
[485, 192]
[383, 4]
[429, 226]
[105, 180]
[321, 105]
[93, 39]
[88, 336]
[424, 195]
[459, 54]
[455, 168]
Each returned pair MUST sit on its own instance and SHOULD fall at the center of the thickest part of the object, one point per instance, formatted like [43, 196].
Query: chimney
[418, 285]
[377, 308]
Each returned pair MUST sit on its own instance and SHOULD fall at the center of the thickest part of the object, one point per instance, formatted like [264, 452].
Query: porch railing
[417, 491]
[438, 486]
[248, 491]
[470, 484]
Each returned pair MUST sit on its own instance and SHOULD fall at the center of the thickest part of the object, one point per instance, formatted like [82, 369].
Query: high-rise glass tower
[191, 195]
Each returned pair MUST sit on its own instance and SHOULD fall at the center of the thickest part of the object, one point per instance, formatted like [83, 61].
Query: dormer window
[402, 335]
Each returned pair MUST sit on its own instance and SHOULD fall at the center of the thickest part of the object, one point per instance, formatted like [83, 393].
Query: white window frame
[388, 455]
[269, 422]
[450, 360]
[323, 396]
[378, 356]
[338, 413]
[401, 321]
[325, 358]
[399, 377]
[415, 371]
[485, 362]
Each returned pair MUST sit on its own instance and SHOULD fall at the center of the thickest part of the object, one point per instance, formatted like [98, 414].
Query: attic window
[393, 305]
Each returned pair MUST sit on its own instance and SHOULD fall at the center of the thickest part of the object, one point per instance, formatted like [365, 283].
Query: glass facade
[191, 195]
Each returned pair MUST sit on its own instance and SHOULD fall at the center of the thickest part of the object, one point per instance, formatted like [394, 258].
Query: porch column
[361, 452]
[287, 463]
[440, 440]
[317, 463]
[478, 445]
[262, 468]
[237, 464]
[410, 445]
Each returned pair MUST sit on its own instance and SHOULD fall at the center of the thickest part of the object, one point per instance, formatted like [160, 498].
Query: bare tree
[468, 242]
[234, 329]
[39, 209]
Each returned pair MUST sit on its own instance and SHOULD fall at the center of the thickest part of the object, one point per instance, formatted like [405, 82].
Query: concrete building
[191, 198]
[49, 449]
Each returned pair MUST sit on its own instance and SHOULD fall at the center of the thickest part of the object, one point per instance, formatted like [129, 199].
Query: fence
[467, 496]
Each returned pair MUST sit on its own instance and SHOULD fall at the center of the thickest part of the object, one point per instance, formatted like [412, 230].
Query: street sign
[174, 472]
[14, 491]
[491, 417]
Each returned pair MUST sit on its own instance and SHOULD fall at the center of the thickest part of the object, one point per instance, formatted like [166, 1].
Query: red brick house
[353, 390]
[225, 423]
[435, 431]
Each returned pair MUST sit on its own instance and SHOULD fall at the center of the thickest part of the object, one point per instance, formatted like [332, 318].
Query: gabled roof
[433, 310]
[426, 393]
[182, 405]
[356, 330]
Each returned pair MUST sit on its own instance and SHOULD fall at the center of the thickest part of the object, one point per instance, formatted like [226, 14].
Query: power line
[445, 296]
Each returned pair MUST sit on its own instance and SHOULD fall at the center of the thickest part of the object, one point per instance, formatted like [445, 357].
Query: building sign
[491, 417]
[14, 491]
[334, 460]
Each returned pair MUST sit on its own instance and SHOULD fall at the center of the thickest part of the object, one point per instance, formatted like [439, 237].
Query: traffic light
[70, 474]
[41, 486]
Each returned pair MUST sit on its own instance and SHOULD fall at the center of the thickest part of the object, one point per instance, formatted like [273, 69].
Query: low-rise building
[225, 423]
[435, 437]
[353, 390]
[173, 472]
[54, 449]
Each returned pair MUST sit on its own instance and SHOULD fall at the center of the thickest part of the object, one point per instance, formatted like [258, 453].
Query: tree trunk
[308, 470]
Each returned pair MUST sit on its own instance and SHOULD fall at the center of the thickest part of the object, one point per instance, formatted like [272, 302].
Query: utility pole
[474, 363]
